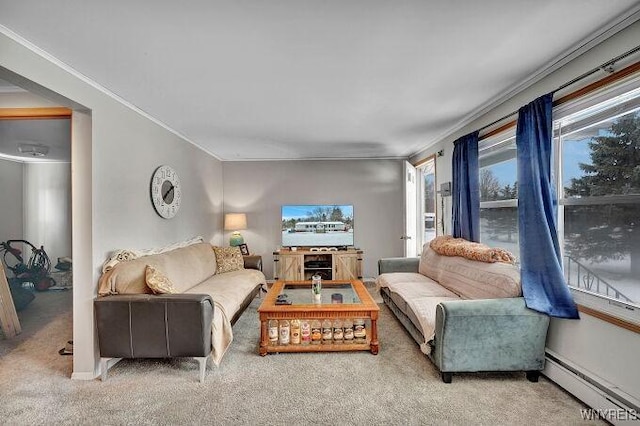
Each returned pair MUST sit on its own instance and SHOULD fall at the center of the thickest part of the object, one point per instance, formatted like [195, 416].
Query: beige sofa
[193, 271]
[466, 315]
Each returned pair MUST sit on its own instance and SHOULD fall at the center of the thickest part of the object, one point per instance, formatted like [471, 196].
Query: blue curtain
[466, 188]
[543, 284]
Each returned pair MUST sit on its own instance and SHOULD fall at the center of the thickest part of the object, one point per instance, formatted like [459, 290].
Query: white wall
[374, 187]
[47, 207]
[608, 351]
[23, 100]
[111, 177]
[603, 349]
[11, 182]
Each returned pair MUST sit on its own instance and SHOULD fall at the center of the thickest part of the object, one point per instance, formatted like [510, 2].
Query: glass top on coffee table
[331, 293]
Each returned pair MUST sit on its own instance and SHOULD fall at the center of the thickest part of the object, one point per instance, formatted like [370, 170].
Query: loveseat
[133, 322]
[466, 315]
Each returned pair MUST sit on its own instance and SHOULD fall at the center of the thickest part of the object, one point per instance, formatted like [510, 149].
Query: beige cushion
[390, 278]
[229, 290]
[427, 288]
[229, 259]
[479, 280]
[471, 279]
[430, 263]
[185, 267]
[158, 282]
[417, 290]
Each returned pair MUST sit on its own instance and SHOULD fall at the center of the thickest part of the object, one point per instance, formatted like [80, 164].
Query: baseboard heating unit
[607, 401]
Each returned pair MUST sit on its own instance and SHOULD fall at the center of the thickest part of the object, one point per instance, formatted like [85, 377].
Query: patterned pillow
[158, 282]
[228, 259]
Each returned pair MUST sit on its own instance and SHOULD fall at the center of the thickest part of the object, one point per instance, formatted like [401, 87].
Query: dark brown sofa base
[157, 326]
[401, 316]
[154, 326]
[245, 304]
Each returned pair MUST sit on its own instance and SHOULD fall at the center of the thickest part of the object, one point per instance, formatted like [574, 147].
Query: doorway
[420, 210]
[35, 218]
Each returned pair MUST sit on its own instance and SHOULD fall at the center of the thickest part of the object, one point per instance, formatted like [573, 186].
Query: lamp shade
[235, 221]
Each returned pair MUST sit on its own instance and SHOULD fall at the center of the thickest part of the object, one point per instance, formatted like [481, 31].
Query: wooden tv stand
[301, 264]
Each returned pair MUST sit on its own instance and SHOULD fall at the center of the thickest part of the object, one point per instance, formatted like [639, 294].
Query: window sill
[610, 310]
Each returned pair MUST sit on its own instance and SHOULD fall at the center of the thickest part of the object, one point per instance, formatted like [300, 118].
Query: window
[597, 177]
[599, 187]
[427, 201]
[499, 192]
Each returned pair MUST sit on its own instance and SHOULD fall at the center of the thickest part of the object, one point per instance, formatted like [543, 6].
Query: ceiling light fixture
[33, 149]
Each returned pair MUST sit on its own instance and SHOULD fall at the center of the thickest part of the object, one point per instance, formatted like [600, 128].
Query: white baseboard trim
[604, 398]
[103, 366]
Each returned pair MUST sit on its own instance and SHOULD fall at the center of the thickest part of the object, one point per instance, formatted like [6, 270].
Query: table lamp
[235, 222]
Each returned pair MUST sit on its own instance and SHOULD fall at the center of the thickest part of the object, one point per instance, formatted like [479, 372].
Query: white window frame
[598, 302]
[561, 120]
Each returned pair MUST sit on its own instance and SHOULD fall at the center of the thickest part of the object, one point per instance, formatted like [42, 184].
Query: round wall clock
[166, 194]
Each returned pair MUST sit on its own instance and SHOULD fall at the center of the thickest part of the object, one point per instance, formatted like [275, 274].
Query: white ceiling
[54, 134]
[6, 87]
[290, 79]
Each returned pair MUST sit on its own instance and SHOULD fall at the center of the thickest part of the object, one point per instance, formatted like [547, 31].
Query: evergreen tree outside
[336, 214]
[509, 192]
[607, 231]
[289, 224]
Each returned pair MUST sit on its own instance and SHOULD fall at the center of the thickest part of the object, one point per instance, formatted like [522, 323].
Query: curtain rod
[604, 67]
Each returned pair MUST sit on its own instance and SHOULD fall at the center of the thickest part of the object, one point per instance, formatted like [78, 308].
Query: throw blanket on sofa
[448, 246]
[423, 307]
[221, 333]
[124, 255]
[227, 299]
[425, 310]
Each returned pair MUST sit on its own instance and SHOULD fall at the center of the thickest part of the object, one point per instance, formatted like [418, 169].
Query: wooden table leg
[264, 337]
[374, 337]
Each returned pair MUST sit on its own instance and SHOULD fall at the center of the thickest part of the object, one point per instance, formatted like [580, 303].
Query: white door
[410, 211]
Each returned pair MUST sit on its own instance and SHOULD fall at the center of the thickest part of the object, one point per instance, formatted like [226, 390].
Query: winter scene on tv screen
[317, 225]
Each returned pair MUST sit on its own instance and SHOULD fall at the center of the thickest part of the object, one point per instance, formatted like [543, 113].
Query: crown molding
[87, 80]
[595, 38]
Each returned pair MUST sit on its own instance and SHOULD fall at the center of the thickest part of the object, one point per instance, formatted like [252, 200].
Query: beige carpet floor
[398, 386]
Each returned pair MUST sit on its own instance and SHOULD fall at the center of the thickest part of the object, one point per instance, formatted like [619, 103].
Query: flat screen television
[329, 225]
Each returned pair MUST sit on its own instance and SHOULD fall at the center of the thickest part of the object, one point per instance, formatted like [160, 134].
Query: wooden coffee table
[356, 303]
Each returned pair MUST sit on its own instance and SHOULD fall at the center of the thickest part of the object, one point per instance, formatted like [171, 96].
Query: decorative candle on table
[316, 287]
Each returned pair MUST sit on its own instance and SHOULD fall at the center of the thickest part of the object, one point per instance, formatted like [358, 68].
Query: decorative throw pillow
[158, 282]
[228, 259]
